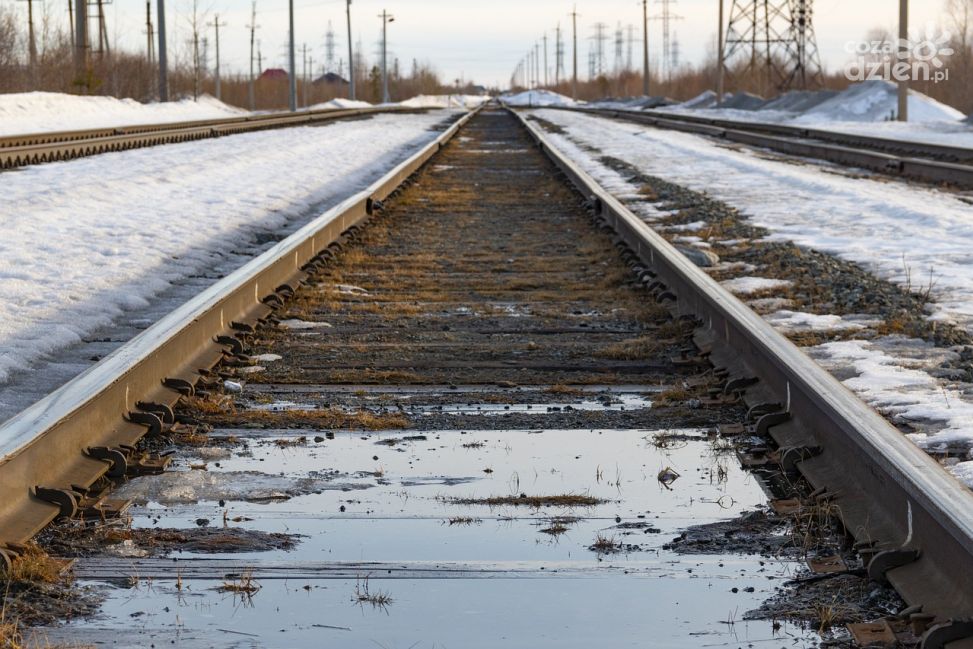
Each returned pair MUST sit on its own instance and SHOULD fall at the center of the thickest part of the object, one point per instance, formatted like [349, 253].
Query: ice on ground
[181, 487]
[38, 112]
[90, 240]
[303, 325]
[445, 101]
[794, 321]
[750, 285]
[530, 98]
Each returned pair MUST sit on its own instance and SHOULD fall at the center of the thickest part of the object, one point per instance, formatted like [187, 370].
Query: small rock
[232, 386]
[702, 258]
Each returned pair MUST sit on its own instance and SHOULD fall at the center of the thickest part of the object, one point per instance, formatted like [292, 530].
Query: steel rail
[45, 458]
[926, 162]
[913, 520]
[40, 148]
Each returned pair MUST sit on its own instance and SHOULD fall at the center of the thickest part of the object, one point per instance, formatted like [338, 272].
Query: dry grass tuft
[246, 584]
[363, 594]
[632, 349]
[34, 566]
[605, 544]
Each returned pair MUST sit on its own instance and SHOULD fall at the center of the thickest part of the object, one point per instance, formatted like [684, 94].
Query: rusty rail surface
[52, 452]
[931, 163]
[913, 521]
[40, 148]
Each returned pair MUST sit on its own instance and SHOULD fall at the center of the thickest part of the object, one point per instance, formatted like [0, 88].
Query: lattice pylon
[777, 35]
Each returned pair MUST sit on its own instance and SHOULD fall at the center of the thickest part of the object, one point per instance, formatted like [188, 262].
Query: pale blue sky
[480, 40]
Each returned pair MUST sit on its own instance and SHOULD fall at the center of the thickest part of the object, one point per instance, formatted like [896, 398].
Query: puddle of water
[459, 574]
[618, 403]
[539, 612]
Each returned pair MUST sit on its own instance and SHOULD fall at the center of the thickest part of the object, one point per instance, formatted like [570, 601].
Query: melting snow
[90, 240]
[749, 285]
[37, 112]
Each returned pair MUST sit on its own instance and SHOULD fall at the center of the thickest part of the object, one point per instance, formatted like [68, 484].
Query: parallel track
[912, 520]
[39, 148]
[932, 163]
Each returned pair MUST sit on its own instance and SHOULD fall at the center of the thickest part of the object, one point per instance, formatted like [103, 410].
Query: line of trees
[122, 73]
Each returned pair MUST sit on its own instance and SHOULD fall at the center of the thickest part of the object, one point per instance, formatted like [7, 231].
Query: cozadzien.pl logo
[921, 57]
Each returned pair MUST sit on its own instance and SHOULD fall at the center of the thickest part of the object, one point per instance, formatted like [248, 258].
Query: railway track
[932, 163]
[482, 392]
[40, 148]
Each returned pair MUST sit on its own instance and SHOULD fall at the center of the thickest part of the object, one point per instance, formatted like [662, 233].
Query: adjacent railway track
[39, 148]
[932, 163]
[516, 321]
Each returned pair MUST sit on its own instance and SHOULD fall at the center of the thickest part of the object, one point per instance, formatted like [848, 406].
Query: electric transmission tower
[329, 47]
[629, 41]
[597, 66]
[667, 18]
[619, 49]
[773, 40]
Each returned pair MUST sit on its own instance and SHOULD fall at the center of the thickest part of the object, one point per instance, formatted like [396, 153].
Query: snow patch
[38, 112]
[750, 285]
[538, 98]
[445, 101]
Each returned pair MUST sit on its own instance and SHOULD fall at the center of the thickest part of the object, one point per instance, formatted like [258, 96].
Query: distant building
[274, 74]
[330, 79]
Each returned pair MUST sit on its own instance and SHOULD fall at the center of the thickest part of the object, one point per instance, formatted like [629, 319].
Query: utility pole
[103, 49]
[903, 50]
[386, 19]
[720, 60]
[149, 33]
[545, 59]
[645, 47]
[253, 26]
[574, 32]
[81, 38]
[558, 55]
[351, 55]
[31, 40]
[163, 59]
[290, 54]
[304, 76]
[217, 24]
[537, 63]
[71, 20]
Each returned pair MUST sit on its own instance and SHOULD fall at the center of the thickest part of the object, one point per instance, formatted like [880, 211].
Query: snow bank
[862, 109]
[36, 112]
[88, 241]
[340, 102]
[705, 99]
[538, 98]
[877, 101]
[445, 101]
